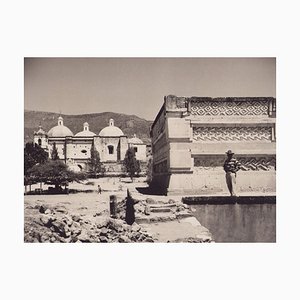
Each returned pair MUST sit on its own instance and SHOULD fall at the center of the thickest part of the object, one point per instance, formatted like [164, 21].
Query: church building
[75, 150]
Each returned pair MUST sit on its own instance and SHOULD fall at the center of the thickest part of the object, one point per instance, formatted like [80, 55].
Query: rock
[180, 208]
[68, 220]
[68, 239]
[147, 210]
[124, 239]
[120, 229]
[61, 209]
[148, 240]
[103, 239]
[46, 220]
[150, 201]
[83, 208]
[59, 227]
[75, 228]
[44, 238]
[126, 227]
[76, 218]
[42, 209]
[139, 208]
[48, 211]
[135, 227]
[116, 223]
[84, 236]
[52, 239]
[141, 238]
[67, 233]
[103, 231]
[101, 222]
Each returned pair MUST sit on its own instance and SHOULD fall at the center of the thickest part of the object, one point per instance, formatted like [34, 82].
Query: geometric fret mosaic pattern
[248, 163]
[230, 108]
[243, 133]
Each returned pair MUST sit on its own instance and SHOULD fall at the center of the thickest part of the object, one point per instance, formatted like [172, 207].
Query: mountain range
[129, 124]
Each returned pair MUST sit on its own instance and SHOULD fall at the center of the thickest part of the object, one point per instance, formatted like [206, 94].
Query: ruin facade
[190, 136]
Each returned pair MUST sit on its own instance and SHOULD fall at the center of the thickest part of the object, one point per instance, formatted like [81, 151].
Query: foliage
[54, 172]
[95, 163]
[54, 152]
[33, 154]
[131, 164]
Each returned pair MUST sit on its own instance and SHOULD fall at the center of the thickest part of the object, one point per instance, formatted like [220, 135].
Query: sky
[138, 85]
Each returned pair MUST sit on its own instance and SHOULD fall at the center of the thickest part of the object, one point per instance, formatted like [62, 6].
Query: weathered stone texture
[190, 137]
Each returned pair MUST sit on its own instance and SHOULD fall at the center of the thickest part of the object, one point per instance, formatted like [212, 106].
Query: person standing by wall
[231, 167]
[99, 189]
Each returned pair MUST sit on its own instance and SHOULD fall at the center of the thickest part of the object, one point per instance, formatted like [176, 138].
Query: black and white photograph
[149, 150]
[102, 165]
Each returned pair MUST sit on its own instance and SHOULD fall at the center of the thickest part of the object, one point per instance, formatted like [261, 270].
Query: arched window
[40, 142]
[110, 149]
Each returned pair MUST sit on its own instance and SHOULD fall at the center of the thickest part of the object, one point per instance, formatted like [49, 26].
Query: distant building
[75, 150]
[190, 136]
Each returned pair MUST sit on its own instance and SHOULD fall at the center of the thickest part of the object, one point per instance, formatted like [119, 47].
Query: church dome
[111, 130]
[86, 131]
[135, 140]
[60, 130]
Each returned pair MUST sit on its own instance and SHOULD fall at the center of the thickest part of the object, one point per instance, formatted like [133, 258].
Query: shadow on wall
[151, 191]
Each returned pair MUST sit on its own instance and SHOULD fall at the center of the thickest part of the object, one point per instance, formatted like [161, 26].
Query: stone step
[162, 205]
[160, 209]
[154, 218]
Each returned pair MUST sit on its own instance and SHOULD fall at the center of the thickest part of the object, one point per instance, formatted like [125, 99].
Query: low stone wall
[229, 200]
[210, 182]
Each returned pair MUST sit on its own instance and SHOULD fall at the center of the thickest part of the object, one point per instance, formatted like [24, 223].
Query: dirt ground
[92, 207]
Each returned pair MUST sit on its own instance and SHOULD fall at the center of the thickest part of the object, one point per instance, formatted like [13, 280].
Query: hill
[130, 124]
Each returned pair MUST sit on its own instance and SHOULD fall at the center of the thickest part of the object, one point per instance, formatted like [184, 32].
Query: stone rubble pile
[56, 225]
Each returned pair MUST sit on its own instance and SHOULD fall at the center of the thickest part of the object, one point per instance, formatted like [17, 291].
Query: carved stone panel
[243, 133]
[249, 163]
[230, 108]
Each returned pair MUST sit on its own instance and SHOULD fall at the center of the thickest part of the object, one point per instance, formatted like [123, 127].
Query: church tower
[40, 137]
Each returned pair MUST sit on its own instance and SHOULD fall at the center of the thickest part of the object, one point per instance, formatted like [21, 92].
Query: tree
[54, 153]
[132, 165]
[95, 163]
[33, 154]
[55, 172]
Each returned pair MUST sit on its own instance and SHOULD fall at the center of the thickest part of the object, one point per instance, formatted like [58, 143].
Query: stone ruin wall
[244, 125]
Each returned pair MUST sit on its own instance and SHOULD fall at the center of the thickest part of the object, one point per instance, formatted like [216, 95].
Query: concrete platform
[179, 231]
